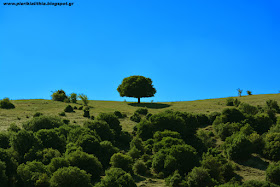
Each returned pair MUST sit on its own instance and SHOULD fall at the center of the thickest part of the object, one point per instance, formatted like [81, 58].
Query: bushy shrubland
[272, 146]
[135, 117]
[272, 105]
[224, 130]
[119, 114]
[6, 104]
[112, 121]
[119, 160]
[248, 109]
[199, 177]
[42, 122]
[140, 167]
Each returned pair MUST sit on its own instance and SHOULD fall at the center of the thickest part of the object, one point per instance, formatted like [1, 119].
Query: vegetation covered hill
[214, 142]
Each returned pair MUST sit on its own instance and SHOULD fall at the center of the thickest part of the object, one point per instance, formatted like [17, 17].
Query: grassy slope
[252, 169]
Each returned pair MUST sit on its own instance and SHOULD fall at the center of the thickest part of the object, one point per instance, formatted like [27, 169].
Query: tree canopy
[136, 86]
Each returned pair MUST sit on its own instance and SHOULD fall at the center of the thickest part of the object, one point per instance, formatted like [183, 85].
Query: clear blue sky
[191, 49]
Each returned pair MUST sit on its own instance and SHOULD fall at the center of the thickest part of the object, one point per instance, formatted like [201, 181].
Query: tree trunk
[138, 99]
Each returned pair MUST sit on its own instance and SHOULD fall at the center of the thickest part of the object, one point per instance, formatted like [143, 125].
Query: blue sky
[190, 49]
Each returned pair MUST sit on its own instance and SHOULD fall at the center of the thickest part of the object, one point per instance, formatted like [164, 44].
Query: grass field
[254, 168]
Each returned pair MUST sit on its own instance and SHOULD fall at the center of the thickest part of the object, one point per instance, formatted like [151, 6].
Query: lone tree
[137, 87]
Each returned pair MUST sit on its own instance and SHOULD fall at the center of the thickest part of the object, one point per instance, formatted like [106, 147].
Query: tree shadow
[255, 162]
[150, 105]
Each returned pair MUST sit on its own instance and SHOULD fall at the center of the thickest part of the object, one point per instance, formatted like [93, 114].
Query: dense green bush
[174, 180]
[206, 137]
[112, 121]
[68, 108]
[262, 123]
[86, 114]
[116, 177]
[224, 130]
[238, 147]
[13, 128]
[73, 98]
[87, 162]
[143, 111]
[272, 105]
[56, 163]
[4, 140]
[272, 146]
[199, 177]
[119, 114]
[248, 109]
[89, 143]
[140, 167]
[70, 177]
[59, 95]
[167, 142]
[47, 154]
[106, 152]
[232, 102]
[230, 115]
[122, 161]
[159, 135]
[102, 129]
[273, 173]
[212, 116]
[84, 98]
[51, 139]
[254, 183]
[6, 104]
[30, 172]
[135, 117]
[3, 176]
[37, 114]
[42, 122]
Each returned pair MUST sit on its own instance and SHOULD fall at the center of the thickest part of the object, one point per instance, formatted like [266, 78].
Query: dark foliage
[37, 114]
[6, 104]
[135, 117]
[112, 121]
[68, 108]
[273, 173]
[143, 111]
[42, 122]
[59, 95]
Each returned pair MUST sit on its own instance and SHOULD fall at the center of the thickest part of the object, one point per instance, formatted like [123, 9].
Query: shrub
[167, 142]
[51, 139]
[116, 177]
[4, 140]
[6, 104]
[272, 146]
[229, 101]
[119, 114]
[225, 130]
[42, 122]
[75, 108]
[23, 141]
[205, 137]
[37, 114]
[89, 143]
[3, 176]
[199, 177]
[230, 115]
[87, 162]
[30, 172]
[249, 92]
[56, 163]
[174, 180]
[86, 114]
[272, 105]
[13, 128]
[73, 98]
[102, 129]
[122, 161]
[248, 109]
[143, 111]
[59, 95]
[255, 183]
[134, 153]
[238, 147]
[46, 155]
[257, 141]
[106, 151]
[62, 114]
[84, 98]
[135, 117]
[140, 167]
[112, 121]
[159, 135]
[262, 123]
[81, 108]
[273, 173]
[213, 116]
[70, 176]
[68, 108]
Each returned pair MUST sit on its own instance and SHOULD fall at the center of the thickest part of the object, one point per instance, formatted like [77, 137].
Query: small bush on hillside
[238, 147]
[75, 108]
[86, 114]
[116, 177]
[106, 151]
[6, 104]
[3, 176]
[4, 140]
[230, 115]
[68, 108]
[59, 95]
[206, 138]
[73, 98]
[249, 92]
[213, 116]
[51, 139]
[262, 123]
[248, 109]
[272, 146]
[70, 176]
[112, 120]
[232, 102]
[37, 114]
[102, 129]
[174, 180]
[224, 130]
[135, 117]
[13, 128]
[143, 111]
[257, 141]
[84, 98]
[62, 114]
[199, 177]
[272, 105]
[122, 161]
[42, 122]
[67, 100]
[273, 173]
[140, 167]
[81, 108]
[119, 114]
[56, 163]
